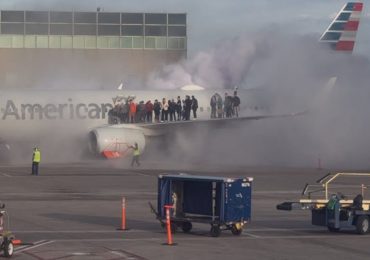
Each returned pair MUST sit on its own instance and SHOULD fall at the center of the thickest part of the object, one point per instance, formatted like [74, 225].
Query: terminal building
[53, 49]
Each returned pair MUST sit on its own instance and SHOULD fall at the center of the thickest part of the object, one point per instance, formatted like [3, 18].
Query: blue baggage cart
[224, 203]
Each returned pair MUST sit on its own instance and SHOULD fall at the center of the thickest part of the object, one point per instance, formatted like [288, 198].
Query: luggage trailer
[6, 237]
[333, 209]
[224, 203]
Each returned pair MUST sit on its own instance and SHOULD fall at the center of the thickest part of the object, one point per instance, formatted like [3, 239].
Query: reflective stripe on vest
[37, 156]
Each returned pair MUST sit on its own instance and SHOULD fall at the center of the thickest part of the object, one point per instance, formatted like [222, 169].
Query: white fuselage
[31, 113]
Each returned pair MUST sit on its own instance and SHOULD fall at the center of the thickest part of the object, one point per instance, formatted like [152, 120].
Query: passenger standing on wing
[164, 106]
[213, 104]
[219, 106]
[149, 111]
[136, 155]
[183, 113]
[172, 109]
[188, 104]
[228, 105]
[132, 111]
[236, 103]
[157, 110]
[194, 106]
[178, 109]
[36, 158]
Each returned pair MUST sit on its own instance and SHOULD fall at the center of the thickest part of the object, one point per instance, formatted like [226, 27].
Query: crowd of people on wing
[229, 107]
[164, 110]
[171, 109]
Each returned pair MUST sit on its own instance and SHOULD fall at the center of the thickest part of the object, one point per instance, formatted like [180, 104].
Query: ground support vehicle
[6, 237]
[329, 203]
[224, 203]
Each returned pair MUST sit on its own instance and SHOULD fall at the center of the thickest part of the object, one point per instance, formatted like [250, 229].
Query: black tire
[215, 231]
[236, 231]
[8, 248]
[186, 227]
[362, 225]
[333, 229]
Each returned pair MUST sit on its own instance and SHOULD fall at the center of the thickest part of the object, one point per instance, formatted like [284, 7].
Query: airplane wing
[341, 33]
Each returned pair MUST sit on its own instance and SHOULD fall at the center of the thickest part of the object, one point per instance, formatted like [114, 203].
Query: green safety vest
[36, 156]
[136, 152]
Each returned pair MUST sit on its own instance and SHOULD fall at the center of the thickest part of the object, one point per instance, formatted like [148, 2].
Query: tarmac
[72, 211]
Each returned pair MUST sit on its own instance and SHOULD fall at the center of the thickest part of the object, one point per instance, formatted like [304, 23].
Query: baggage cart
[224, 203]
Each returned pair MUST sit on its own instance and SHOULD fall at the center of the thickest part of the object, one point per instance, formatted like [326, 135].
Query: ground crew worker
[36, 158]
[136, 155]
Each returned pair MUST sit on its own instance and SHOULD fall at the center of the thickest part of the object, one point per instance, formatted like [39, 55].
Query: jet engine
[115, 141]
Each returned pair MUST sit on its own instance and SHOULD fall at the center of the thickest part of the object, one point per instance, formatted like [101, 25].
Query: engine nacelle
[115, 139]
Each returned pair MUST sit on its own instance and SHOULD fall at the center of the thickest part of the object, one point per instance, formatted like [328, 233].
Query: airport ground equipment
[330, 201]
[224, 203]
[6, 237]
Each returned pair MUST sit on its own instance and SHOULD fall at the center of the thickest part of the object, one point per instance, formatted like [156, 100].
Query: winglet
[341, 33]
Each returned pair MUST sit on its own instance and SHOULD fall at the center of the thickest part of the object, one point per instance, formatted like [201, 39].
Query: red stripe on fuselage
[357, 7]
[351, 26]
[345, 46]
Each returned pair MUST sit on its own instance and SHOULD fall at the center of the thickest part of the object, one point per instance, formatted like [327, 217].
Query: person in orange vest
[132, 112]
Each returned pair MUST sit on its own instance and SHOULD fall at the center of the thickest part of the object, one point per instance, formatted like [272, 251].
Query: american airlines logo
[51, 111]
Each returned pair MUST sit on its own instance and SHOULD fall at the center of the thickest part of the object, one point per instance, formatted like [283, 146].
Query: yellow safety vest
[136, 152]
[36, 156]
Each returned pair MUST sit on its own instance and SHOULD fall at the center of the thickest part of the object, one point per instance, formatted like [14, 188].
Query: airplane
[32, 115]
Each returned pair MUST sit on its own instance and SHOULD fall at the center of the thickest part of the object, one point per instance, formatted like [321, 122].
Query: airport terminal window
[85, 29]
[5, 41]
[109, 18]
[42, 41]
[54, 42]
[131, 18]
[42, 29]
[78, 42]
[30, 41]
[108, 42]
[61, 29]
[12, 28]
[12, 16]
[82, 17]
[132, 30]
[176, 31]
[138, 42]
[66, 42]
[126, 42]
[17, 41]
[109, 30]
[161, 43]
[149, 42]
[176, 43]
[155, 18]
[37, 17]
[155, 30]
[182, 43]
[176, 18]
[61, 17]
[90, 42]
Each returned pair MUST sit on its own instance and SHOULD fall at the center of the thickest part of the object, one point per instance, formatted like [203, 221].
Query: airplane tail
[341, 33]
